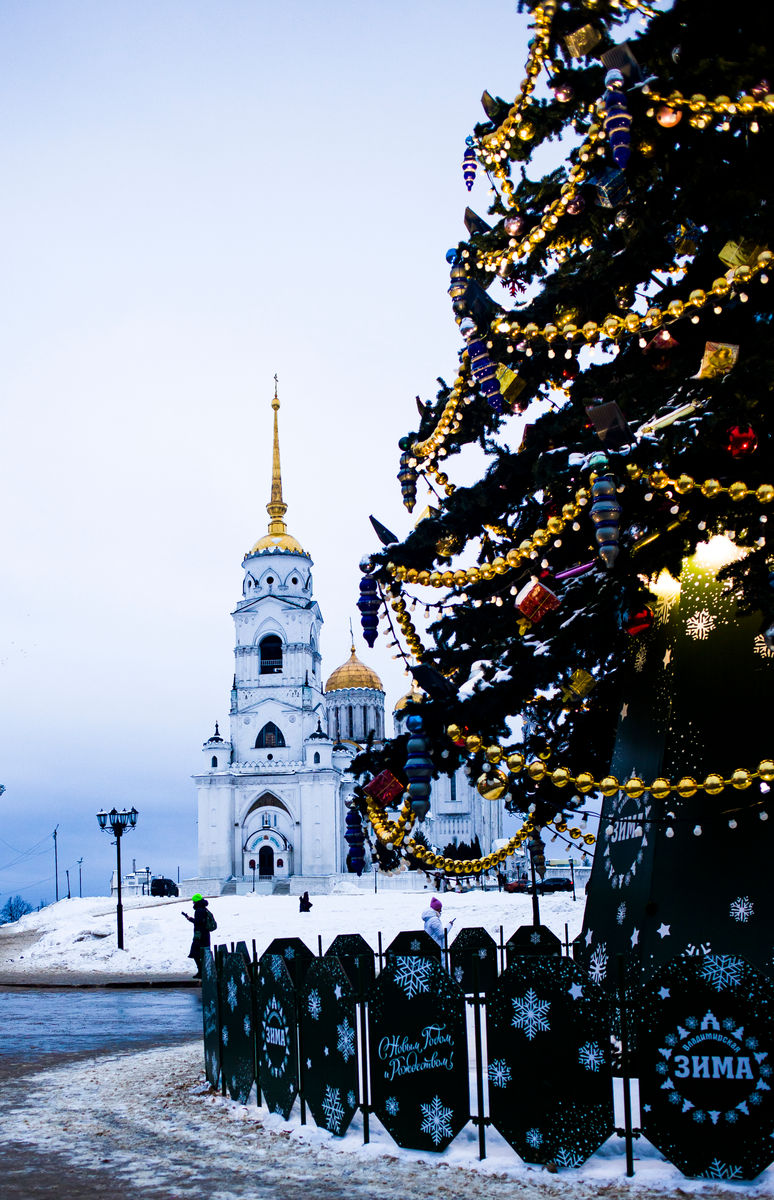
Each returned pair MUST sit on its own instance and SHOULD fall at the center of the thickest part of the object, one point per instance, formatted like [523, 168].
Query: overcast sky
[196, 196]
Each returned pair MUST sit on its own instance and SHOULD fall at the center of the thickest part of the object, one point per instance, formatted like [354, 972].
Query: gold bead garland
[710, 488]
[584, 781]
[407, 627]
[436, 439]
[612, 326]
[702, 109]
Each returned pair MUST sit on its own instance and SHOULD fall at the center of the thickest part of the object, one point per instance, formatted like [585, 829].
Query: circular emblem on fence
[706, 1054]
[627, 842]
[275, 1037]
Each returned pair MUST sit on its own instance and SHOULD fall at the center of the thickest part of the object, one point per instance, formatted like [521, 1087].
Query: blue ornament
[369, 607]
[407, 475]
[418, 768]
[354, 837]
[484, 371]
[451, 255]
[605, 510]
[617, 119]
[469, 164]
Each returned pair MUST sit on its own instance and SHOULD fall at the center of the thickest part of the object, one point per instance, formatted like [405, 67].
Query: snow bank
[79, 936]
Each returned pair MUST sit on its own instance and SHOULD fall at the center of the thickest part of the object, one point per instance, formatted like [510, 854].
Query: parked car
[163, 887]
[558, 884]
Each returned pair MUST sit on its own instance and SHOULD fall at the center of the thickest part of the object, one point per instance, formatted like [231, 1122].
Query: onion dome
[353, 674]
[277, 539]
[415, 696]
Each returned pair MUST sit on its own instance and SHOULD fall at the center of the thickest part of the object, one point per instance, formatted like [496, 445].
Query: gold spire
[278, 537]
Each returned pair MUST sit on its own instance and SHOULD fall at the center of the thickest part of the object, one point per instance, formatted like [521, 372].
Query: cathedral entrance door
[265, 862]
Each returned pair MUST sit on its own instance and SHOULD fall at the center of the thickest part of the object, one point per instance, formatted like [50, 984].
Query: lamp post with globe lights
[117, 823]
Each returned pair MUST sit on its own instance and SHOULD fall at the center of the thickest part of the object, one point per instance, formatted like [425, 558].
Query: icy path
[148, 1123]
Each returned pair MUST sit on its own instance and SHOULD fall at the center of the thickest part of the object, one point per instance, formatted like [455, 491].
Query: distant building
[275, 792]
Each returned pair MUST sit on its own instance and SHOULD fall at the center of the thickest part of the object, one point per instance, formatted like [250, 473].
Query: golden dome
[353, 674]
[415, 696]
[284, 542]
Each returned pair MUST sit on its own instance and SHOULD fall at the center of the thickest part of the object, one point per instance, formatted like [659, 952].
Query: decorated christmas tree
[592, 621]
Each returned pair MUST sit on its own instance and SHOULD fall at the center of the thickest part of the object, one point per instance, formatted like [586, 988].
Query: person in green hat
[203, 924]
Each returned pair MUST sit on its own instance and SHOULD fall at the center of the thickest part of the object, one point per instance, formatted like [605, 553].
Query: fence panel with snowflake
[550, 1083]
[356, 957]
[706, 1056]
[418, 1053]
[210, 1018]
[414, 941]
[277, 1035]
[329, 1045]
[236, 1024]
[473, 960]
[296, 954]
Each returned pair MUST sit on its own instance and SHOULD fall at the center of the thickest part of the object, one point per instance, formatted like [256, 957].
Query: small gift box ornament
[582, 41]
[718, 359]
[535, 600]
[385, 789]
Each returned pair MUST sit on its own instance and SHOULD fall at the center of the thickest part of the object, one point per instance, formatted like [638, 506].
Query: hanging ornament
[761, 89]
[741, 440]
[580, 685]
[563, 92]
[612, 188]
[469, 164]
[582, 41]
[618, 119]
[638, 620]
[718, 359]
[535, 600]
[742, 253]
[686, 238]
[575, 205]
[354, 837]
[419, 767]
[407, 475]
[605, 509]
[452, 254]
[492, 784]
[385, 789]
[668, 117]
[513, 225]
[369, 607]
[485, 373]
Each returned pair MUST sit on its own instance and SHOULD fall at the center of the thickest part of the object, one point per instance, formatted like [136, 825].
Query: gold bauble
[589, 839]
[526, 131]
[684, 484]
[584, 782]
[737, 491]
[491, 786]
[454, 732]
[766, 770]
[473, 742]
[536, 769]
[765, 493]
[575, 832]
[714, 784]
[609, 785]
[647, 149]
[741, 779]
[487, 571]
[686, 787]
[515, 763]
[711, 487]
[513, 558]
[560, 777]
[493, 754]
[633, 788]
[660, 788]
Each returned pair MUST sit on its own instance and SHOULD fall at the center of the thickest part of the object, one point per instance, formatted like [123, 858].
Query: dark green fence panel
[356, 957]
[414, 941]
[532, 940]
[210, 1018]
[277, 1035]
[473, 960]
[418, 1053]
[296, 955]
[330, 1045]
[550, 1083]
[705, 1059]
[237, 1036]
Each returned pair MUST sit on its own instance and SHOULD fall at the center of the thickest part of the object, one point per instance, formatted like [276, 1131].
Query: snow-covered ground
[78, 937]
[185, 1141]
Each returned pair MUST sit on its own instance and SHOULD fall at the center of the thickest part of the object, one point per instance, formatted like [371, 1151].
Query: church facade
[273, 794]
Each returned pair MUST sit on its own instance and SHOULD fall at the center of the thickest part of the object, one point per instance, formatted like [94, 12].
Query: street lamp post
[118, 823]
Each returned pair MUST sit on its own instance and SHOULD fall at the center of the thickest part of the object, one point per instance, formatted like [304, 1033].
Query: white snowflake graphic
[590, 1056]
[742, 909]
[416, 946]
[314, 1004]
[482, 952]
[351, 1099]
[247, 1026]
[530, 1014]
[231, 994]
[276, 964]
[534, 1138]
[436, 1120]
[224, 1035]
[722, 971]
[392, 1107]
[346, 1040]
[598, 964]
[458, 974]
[289, 953]
[720, 1170]
[762, 647]
[639, 659]
[413, 975]
[700, 625]
[499, 1073]
[568, 1158]
[333, 1108]
[620, 915]
[665, 602]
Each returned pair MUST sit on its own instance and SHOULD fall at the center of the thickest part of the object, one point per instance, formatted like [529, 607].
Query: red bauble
[741, 440]
[638, 620]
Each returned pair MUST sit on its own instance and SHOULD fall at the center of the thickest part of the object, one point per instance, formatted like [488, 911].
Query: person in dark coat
[202, 924]
[304, 903]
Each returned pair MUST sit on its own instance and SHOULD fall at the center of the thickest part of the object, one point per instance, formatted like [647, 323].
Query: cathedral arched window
[270, 651]
[214, 761]
[316, 756]
[270, 735]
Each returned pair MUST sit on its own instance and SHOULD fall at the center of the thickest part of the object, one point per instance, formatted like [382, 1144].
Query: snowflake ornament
[620, 915]
[742, 909]
[231, 994]
[721, 1170]
[333, 1108]
[345, 1043]
[314, 1004]
[534, 1138]
[413, 975]
[351, 1099]
[590, 1056]
[530, 1014]
[392, 1106]
[436, 1120]
[762, 647]
[598, 964]
[722, 971]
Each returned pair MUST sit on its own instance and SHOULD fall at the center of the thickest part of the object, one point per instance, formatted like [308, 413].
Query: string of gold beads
[407, 627]
[709, 488]
[438, 436]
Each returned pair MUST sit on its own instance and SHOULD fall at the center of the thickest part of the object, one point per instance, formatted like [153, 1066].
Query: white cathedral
[272, 797]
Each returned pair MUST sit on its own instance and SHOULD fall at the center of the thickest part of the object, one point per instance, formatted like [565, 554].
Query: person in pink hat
[432, 919]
